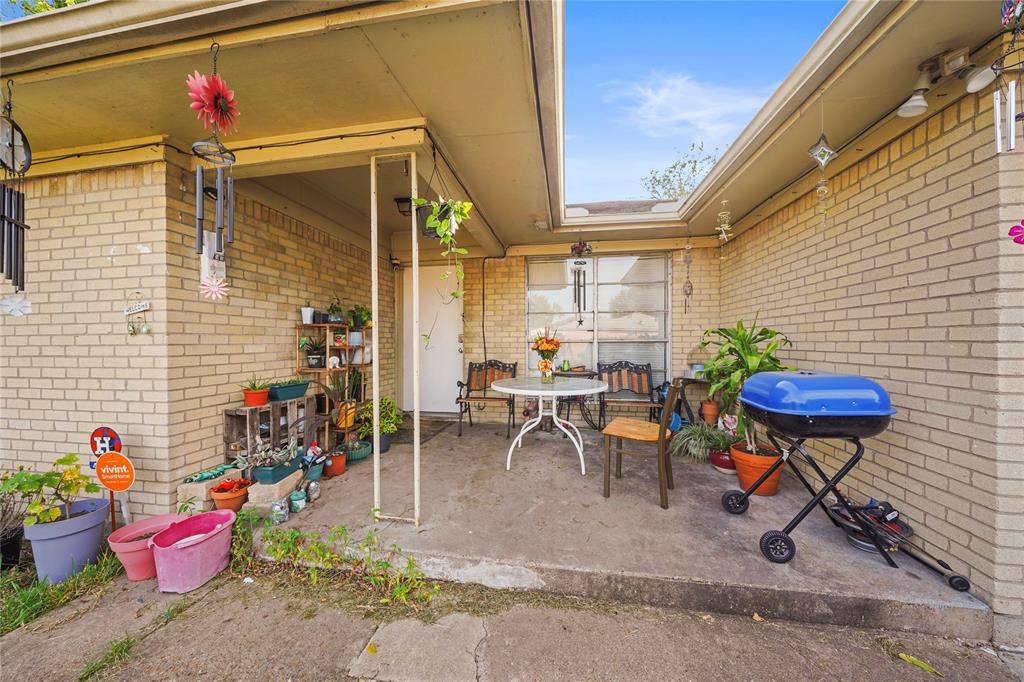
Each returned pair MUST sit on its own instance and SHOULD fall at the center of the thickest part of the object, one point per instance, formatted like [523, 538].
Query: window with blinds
[625, 315]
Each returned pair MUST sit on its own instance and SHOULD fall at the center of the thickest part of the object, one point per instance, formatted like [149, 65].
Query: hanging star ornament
[15, 306]
[821, 152]
[214, 288]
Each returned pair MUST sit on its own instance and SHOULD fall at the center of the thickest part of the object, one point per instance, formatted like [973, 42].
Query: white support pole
[415, 192]
[374, 352]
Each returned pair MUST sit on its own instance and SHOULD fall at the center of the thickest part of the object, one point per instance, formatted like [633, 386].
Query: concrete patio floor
[544, 526]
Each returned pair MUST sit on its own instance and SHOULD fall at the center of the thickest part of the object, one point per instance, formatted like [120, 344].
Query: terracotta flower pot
[336, 466]
[709, 411]
[231, 500]
[256, 398]
[750, 467]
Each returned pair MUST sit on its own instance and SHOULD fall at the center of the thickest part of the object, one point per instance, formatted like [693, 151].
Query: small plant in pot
[335, 311]
[694, 441]
[390, 419]
[288, 389]
[443, 220]
[358, 319]
[255, 391]
[231, 494]
[66, 533]
[314, 347]
[741, 353]
[268, 464]
[12, 519]
[719, 457]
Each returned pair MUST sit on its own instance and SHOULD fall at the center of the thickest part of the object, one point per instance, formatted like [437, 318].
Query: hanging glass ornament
[821, 152]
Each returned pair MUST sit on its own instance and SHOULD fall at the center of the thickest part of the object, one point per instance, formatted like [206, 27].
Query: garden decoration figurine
[546, 346]
[216, 108]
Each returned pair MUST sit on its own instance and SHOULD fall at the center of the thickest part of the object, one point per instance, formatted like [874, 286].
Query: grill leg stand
[764, 477]
[797, 445]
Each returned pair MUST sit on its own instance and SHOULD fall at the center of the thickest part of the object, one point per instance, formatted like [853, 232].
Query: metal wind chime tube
[15, 159]
[1009, 68]
[199, 209]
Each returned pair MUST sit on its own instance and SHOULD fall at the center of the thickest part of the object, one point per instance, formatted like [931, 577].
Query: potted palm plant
[390, 419]
[741, 353]
[65, 532]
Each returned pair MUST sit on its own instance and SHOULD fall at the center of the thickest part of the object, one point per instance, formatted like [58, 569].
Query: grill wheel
[734, 502]
[777, 547]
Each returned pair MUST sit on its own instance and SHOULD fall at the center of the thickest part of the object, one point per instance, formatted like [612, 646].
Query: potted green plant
[231, 494]
[719, 456]
[255, 391]
[335, 311]
[65, 532]
[288, 389]
[267, 463]
[694, 441]
[741, 353]
[12, 520]
[444, 220]
[390, 419]
[314, 347]
[358, 319]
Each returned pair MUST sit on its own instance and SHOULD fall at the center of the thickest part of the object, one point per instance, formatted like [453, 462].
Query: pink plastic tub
[135, 554]
[192, 551]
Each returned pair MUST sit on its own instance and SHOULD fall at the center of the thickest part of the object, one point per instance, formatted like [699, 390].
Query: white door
[441, 351]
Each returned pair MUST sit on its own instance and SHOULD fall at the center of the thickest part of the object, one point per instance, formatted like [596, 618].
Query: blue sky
[644, 80]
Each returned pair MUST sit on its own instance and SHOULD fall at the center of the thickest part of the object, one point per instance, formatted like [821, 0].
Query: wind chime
[724, 228]
[215, 106]
[688, 261]
[1009, 68]
[15, 159]
[578, 265]
[822, 154]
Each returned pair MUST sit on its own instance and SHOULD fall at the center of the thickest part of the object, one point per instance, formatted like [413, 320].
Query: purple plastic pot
[191, 551]
[135, 554]
[62, 548]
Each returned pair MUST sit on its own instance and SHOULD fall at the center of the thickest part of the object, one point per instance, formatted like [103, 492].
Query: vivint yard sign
[114, 471]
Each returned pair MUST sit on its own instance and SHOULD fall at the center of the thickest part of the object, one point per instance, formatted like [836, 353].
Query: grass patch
[24, 599]
[118, 651]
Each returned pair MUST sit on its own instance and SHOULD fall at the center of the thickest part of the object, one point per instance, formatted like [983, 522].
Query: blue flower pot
[62, 548]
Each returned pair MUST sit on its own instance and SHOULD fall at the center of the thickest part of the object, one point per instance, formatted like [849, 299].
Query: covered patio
[543, 526]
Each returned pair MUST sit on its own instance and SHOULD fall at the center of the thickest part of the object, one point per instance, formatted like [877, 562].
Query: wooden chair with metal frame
[479, 377]
[645, 432]
[631, 378]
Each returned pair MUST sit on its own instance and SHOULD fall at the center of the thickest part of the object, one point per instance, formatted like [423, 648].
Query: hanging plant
[452, 213]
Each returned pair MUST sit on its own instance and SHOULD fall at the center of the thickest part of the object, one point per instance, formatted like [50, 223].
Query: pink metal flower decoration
[213, 102]
[214, 288]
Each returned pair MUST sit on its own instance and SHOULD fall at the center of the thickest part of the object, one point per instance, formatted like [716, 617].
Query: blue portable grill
[795, 407]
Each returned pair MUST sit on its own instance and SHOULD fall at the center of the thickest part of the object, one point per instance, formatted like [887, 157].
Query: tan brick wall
[275, 265]
[909, 282]
[70, 365]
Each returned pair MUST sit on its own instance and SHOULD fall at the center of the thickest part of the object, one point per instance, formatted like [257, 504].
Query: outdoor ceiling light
[404, 205]
[917, 104]
[979, 78]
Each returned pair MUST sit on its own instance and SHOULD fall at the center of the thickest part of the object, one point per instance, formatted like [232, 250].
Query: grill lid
[816, 394]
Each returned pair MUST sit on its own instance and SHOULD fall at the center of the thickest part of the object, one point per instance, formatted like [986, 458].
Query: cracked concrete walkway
[263, 631]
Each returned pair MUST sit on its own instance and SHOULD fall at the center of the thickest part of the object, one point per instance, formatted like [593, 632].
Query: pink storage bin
[136, 555]
[192, 551]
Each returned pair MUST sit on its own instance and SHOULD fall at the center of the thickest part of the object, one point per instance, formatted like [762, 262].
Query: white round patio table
[562, 387]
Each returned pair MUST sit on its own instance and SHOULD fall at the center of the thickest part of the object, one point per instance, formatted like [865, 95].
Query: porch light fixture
[979, 78]
[404, 205]
[917, 104]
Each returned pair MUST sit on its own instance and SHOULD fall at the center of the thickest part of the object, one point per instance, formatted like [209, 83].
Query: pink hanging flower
[214, 288]
[213, 102]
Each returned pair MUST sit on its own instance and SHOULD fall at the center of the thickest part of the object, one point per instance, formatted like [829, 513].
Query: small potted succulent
[12, 519]
[268, 464]
[390, 419]
[231, 494]
[65, 532]
[288, 389]
[314, 347]
[255, 391]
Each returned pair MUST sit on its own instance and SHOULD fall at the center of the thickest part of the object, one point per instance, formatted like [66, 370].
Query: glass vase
[547, 377]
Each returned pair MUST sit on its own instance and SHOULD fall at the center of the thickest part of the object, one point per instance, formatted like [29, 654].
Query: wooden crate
[272, 422]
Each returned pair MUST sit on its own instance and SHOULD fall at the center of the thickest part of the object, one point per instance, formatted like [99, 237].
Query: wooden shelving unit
[344, 351]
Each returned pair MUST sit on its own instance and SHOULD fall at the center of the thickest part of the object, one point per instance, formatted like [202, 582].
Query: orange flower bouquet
[546, 346]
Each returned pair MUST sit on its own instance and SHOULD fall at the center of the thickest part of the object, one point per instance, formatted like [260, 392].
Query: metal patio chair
[479, 377]
[629, 385]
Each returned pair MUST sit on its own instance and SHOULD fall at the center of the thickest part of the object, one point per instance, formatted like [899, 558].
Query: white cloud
[677, 104]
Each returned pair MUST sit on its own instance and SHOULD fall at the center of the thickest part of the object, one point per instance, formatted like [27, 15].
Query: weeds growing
[118, 651]
[23, 599]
